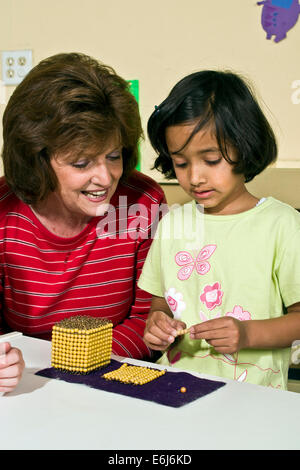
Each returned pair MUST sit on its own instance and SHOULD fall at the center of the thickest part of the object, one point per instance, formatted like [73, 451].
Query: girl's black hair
[225, 102]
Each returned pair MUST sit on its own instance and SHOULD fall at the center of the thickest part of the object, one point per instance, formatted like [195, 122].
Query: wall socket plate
[15, 65]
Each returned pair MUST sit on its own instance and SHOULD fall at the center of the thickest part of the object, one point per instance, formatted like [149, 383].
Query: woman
[76, 218]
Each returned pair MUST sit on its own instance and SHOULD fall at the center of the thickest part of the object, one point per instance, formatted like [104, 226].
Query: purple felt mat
[164, 390]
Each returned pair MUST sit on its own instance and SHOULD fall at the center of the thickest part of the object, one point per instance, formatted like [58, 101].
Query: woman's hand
[161, 330]
[11, 367]
[226, 334]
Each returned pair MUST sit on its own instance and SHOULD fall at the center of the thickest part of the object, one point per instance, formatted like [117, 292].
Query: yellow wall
[281, 183]
[160, 41]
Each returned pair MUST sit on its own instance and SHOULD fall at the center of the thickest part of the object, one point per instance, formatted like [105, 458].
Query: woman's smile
[95, 196]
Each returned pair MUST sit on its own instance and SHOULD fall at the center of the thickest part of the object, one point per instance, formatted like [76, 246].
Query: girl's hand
[225, 334]
[161, 330]
[11, 367]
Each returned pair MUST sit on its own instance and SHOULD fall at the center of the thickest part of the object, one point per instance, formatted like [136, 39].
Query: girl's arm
[276, 332]
[229, 335]
[161, 328]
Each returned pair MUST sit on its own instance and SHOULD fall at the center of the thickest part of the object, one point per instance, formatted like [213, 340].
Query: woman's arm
[11, 367]
[128, 335]
[11, 361]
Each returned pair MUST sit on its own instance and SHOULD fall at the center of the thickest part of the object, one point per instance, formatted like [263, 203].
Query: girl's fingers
[157, 337]
[220, 333]
[161, 330]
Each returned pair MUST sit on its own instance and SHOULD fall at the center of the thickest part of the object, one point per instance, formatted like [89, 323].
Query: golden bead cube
[81, 344]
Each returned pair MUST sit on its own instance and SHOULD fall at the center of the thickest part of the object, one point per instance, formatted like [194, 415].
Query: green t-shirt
[245, 265]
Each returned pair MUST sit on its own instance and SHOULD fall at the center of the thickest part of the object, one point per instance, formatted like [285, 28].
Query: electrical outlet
[15, 65]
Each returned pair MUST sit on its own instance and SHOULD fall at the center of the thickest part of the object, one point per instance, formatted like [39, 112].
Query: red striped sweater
[45, 278]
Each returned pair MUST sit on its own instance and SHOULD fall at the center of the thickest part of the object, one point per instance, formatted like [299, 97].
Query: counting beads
[182, 332]
[81, 344]
[133, 374]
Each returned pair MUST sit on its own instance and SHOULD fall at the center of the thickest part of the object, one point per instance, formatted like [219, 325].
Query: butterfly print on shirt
[189, 263]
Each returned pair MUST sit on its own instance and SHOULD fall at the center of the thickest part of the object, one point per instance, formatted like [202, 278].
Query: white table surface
[50, 414]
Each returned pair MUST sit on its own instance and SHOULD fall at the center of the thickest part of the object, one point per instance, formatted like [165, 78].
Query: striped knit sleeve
[128, 335]
[5, 204]
[1, 297]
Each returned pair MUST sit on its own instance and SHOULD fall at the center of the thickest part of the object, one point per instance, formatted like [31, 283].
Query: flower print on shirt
[239, 313]
[212, 296]
[202, 316]
[188, 263]
[175, 301]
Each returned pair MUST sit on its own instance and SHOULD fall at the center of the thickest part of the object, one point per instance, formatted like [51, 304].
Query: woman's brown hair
[68, 102]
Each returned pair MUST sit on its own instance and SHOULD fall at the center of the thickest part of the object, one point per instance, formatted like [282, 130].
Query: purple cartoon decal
[278, 17]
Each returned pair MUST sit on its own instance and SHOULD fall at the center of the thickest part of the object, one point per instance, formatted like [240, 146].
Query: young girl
[226, 265]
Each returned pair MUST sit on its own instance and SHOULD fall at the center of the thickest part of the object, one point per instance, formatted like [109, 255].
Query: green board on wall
[134, 88]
